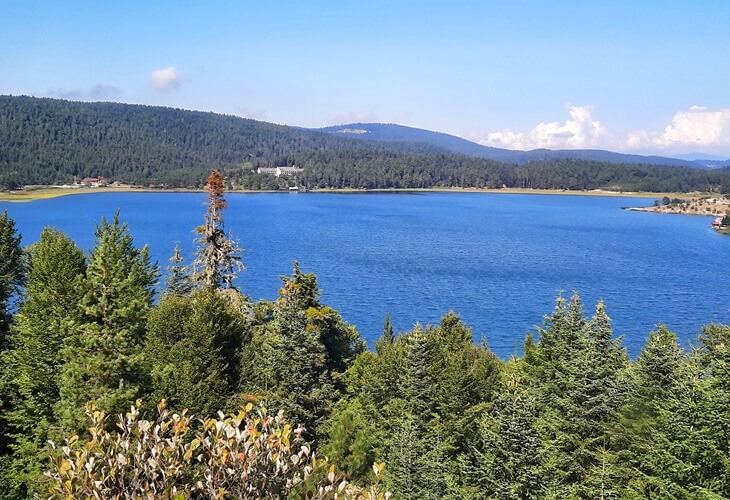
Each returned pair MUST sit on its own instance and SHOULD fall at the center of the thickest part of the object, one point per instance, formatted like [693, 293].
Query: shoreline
[27, 195]
[717, 208]
[707, 207]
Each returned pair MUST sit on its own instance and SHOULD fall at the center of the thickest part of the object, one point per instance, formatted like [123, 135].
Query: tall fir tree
[714, 358]
[657, 374]
[49, 307]
[417, 451]
[103, 355]
[577, 370]
[218, 259]
[304, 388]
[12, 273]
[465, 377]
[12, 269]
[506, 459]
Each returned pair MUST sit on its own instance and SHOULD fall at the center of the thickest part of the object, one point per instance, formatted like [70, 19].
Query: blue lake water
[498, 260]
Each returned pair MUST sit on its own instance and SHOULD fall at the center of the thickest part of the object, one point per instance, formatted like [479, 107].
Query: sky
[642, 76]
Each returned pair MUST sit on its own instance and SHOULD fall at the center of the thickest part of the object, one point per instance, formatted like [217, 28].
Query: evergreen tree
[506, 461]
[352, 441]
[714, 357]
[103, 356]
[179, 281]
[688, 452]
[218, 259]
[465, 377]
[599, 396]
[193, 347]
[56, 267]
[577, 370]
[417, 452]
[12, 269]
[657, 372]
[304, 385]
[11, 278]
[388, 333]
[658, 375]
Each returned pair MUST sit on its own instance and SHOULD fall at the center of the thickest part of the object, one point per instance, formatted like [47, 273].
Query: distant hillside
[400, 133]
[45, 141]
[51, 141]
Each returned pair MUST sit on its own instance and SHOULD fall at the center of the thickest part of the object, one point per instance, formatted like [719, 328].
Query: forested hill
[52, 141]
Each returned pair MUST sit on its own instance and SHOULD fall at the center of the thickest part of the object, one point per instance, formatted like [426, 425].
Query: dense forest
[51, 141]
[428, 413]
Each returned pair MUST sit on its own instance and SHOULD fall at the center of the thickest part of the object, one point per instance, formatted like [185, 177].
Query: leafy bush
[247, 455]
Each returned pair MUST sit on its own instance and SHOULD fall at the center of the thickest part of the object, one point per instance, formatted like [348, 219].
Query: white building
[279, 171]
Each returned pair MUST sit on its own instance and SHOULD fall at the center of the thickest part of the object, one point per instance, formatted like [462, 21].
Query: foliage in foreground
[574, 417]
[249, 455]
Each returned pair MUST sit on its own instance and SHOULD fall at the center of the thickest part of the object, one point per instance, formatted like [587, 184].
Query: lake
[498, 260]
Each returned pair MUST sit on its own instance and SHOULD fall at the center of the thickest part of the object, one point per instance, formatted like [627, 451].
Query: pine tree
[388, 334]
[179, 281]
[599, 396]
[714, 357]
[12, 269]
[465, 377]
[103, 356]
[506, 461]
[352, 441]
[56, 267]
[194, 345]
[417, 452]
[304, 388]
[218, 260]
[658, 375]
[577, 370]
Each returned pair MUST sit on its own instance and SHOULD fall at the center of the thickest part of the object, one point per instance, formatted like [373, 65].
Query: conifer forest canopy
[111, 389]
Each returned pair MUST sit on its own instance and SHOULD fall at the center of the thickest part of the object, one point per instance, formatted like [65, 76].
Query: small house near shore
[90, 182]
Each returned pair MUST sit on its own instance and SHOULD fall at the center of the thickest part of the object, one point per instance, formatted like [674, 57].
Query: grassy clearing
[45, 193]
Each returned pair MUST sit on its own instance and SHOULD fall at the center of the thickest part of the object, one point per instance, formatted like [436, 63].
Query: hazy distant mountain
[386, 132]
[700, 157]
[703, 160]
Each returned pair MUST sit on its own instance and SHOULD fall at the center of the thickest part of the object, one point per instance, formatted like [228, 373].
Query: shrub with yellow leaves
[251, 454]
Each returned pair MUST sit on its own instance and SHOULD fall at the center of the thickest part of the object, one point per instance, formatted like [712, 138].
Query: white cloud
[696, 126]
[165, 79]
[580, 131]
[695, 129]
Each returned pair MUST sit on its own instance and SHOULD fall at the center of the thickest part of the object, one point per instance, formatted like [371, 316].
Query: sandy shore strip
[26, 195]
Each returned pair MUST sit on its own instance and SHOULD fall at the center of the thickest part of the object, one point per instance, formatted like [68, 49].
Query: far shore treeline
[50, 141]
[428, 414]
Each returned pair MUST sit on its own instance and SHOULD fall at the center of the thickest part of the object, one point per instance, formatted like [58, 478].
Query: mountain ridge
[391, 132]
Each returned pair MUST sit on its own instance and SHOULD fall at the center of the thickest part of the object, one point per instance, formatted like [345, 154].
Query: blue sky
[640, 76]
